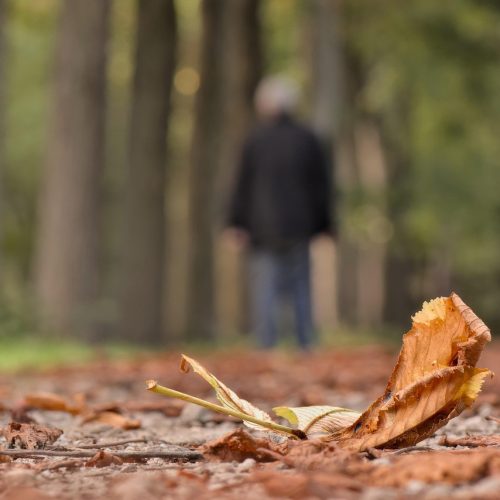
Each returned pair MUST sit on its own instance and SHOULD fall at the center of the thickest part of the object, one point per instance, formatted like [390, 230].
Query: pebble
[190, 414]
[382, 461]
[247, 465]
[414, 487]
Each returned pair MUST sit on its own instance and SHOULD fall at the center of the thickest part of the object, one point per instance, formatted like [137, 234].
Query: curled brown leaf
[434, 380]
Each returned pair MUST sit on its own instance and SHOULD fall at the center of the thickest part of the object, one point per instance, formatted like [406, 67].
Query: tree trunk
[402, 268]
[143, 245]
[3, 11]
[372, 167]
[68, 234]
[242, 72]
[205, 160]
[328, 110]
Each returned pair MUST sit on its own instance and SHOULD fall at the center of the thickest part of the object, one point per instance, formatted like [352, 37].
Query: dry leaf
[434, 380]
[226, 396]
[30, 436]
[318, 420]
[103, 459]
[113, 419]
[51, 402]
[238, 445]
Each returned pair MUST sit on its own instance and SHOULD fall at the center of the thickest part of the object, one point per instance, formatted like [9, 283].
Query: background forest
[120, 129]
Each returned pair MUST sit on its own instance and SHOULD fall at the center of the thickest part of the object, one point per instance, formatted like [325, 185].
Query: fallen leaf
[313, 454]
[112, 419]
[30, 436]
[103, 459]
[434, 380]
[238, 445]
[318, 420]
[226, 396]
[51, 402]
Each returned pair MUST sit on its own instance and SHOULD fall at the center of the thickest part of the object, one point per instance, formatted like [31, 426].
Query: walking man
[280, 202]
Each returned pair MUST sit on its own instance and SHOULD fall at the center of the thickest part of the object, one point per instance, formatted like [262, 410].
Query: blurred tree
[3, 12]
[205, 160]
[431, 83]
[143, 245]
[67, 258]
[328, 116]
[242, 72]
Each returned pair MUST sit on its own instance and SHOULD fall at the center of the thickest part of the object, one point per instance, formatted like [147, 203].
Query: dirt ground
[120, 441]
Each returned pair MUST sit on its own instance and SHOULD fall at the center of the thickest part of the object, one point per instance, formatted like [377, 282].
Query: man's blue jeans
[276, 275]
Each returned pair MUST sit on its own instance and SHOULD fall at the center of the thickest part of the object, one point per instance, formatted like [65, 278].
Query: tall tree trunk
[402, 268]
[143, 245]
[205, 159]
[68, 234]
[3, 12]
[242, 71]
[372, 166]
[328, 106]
[328, 109]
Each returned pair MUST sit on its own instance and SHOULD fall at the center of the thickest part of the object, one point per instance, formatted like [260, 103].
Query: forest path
[151, 443]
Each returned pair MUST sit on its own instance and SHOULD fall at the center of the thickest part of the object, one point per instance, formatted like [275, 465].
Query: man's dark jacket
[282, 192]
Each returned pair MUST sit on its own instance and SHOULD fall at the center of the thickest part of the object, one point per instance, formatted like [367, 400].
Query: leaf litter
[30, 436]
[250, 463]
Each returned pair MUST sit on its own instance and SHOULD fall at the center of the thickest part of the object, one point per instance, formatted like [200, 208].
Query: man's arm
[321, 174]
[240, 199]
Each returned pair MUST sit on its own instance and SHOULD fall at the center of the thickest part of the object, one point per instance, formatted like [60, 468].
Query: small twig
[175, 455]
[110, 444]
[493, 419]
[411, 449]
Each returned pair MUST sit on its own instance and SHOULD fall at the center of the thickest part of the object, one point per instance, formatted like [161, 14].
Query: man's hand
[236, 237]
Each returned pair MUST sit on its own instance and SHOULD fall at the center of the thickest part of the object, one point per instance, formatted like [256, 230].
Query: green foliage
[431, 73]
[30, 37]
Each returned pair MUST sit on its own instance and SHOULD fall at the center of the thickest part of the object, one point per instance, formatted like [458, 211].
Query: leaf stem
[153, 386]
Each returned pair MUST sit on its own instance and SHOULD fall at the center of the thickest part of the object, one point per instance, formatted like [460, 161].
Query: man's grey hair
[275, 95]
